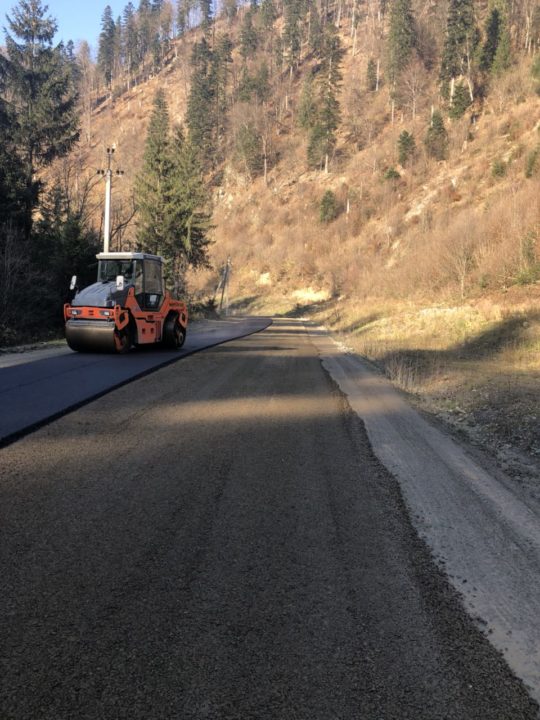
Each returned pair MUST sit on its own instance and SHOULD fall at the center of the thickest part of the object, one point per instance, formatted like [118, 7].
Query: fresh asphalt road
[216, 540]
[34, 390]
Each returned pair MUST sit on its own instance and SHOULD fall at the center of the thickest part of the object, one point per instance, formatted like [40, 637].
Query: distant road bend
[218, 540]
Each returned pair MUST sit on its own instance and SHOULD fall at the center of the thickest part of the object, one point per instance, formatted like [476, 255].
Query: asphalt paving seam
[13, 437]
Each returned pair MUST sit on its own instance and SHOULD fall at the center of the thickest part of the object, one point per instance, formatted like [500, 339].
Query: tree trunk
[471, 89]
[265, 159]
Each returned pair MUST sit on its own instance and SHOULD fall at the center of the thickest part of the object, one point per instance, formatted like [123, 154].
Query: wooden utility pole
[223, 285]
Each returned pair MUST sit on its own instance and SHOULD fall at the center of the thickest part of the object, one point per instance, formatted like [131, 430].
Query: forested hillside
[349, 144]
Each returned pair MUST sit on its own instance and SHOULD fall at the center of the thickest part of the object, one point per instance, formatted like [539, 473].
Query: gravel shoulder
[482, 529]
[218, 540]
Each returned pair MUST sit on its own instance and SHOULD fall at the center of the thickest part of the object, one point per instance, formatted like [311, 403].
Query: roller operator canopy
[128, 256]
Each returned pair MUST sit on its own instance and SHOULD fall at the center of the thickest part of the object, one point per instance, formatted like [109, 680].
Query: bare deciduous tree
[413, 85]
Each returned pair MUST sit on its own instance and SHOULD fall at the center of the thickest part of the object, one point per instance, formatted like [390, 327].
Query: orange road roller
[126, 307]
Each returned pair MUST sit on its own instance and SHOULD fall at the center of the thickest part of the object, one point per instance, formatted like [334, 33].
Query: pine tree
[436, 140]
[130, 50]
[245, 86]
[64, 243]
[166, 26]
[268, 14]
[155, 49]
[492, 32]
[171, 198]
[371, 75]
[206, 14]
[119, 60]
[248, 149]
[292, 32]
[322, 138]
[12, 180]
[43, 100]
[13, 249]
[316, 35]
[459, 47]
[460, 101]
[248, 36]
[201, 108]
[221, 71]
[307, 108]
[152, 185]
[406, 147]
[402, 39]
[190, 182]
[261, 83]
[145, 28]
[70, 50]
[503, 56]
[106, 51]
[278, 54]
[192, 219]
[328, 210]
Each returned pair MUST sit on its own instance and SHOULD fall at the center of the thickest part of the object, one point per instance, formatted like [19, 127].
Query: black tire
[174, 334]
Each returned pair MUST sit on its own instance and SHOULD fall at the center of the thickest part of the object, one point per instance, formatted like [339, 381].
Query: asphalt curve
[217, 540]
[33, 392]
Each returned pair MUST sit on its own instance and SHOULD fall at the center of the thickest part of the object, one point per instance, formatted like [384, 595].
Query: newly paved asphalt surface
[217, 540]
[31, 392]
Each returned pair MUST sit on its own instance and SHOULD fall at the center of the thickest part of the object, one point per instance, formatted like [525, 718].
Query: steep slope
[430, 228]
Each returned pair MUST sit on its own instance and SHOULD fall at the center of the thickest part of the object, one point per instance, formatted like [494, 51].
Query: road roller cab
[128, 305]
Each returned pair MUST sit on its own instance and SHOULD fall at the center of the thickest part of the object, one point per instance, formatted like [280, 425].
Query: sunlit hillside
[426, 228]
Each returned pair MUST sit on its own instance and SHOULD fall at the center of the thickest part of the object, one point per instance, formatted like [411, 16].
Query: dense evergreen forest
[245, 62]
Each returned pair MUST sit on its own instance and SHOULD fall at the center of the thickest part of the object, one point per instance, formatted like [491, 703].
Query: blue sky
[76, 19]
